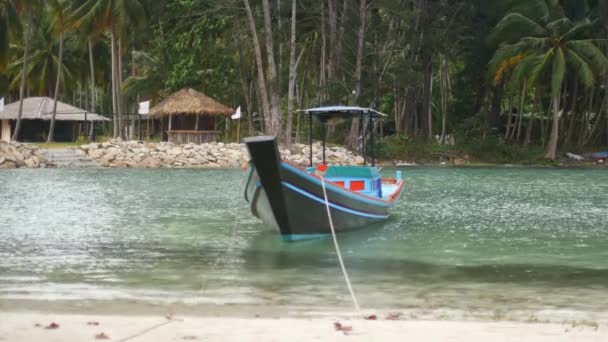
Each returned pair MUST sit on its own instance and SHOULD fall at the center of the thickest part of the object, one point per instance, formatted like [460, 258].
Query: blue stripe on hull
[333, 205]
[301, 237]
[379, 203]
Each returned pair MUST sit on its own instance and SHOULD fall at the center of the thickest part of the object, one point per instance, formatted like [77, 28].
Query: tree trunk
[495, 111]
[510, 118]
[444, 98]
[606, 114]
[272, 72]
[552, 148]
[332, 13]
[340, 42]
[522, 104]
[323, 57]
[354, 128]
[57, 89]
[262, 90]
[121, 105]
[92, 65]
[427, 97]
[572, 111]
[246, 88]
[291, 92]
[279, 33]
[537, 108]
[114, 92]
[26, 56]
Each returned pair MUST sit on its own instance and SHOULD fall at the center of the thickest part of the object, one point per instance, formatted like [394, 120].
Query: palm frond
[524, 68]
[584, 73]
[578, 28]
[590, 52]
[535, 9]
[560, 26]
[515, 26]
[541, 65]
[558, 73]
[503, 55]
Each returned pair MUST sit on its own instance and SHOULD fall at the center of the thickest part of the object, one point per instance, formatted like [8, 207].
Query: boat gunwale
[380, 201]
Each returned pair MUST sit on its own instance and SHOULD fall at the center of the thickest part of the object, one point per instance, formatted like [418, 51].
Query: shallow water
[460, 239]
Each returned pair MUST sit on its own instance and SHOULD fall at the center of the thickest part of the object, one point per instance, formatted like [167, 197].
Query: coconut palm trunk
[57, 89]
[93, 90]
[92, 66]
[272, 72]
[291, 93]
[552, 148]
[26, 56]
[120, 100]
[354, 128]
[114, 98]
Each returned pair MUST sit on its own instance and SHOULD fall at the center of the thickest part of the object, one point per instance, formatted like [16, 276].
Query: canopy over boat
[325, 114]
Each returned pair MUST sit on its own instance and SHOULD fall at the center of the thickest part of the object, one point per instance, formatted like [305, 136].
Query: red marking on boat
[392, 198]
[357, 185]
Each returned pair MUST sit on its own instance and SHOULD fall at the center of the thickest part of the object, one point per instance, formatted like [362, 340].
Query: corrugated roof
[41, 108]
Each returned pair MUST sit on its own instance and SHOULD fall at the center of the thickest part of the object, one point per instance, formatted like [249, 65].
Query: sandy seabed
[29, 327]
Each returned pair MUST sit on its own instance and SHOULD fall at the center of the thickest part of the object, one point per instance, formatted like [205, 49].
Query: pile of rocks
[136, 154]
[15, 155]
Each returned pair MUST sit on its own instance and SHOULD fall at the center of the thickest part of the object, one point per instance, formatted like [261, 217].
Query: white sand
[28, 327]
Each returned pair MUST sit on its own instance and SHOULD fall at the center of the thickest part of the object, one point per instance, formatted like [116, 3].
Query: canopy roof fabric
[41, 108]
[343, 112]
[190, 102]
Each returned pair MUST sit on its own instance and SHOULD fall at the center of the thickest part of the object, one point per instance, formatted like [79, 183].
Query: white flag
[236, 115]
[2, 104]
[144, 107]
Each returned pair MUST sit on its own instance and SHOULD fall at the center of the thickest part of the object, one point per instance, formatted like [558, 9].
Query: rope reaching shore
[337, 246]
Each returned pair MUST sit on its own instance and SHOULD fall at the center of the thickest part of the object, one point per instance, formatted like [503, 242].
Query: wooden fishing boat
[292, 200]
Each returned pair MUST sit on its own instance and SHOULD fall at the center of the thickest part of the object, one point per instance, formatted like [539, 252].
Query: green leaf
[515, 26]
[541, 64]
[590, 52]
[584, 73]
[558, 72]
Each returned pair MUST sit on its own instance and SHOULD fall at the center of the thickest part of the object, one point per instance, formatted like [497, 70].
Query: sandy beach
[26, 327]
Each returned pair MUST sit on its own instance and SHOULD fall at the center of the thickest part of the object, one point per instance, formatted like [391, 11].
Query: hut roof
[190, 102]
[41, 108]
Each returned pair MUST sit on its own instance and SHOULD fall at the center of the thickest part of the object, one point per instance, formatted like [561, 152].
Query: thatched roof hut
[189, 116]
[190, 102]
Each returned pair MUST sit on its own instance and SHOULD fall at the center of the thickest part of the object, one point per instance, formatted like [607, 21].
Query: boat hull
[291, 200]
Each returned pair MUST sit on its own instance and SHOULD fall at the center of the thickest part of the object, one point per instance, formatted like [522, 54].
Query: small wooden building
[189, 116]
[70, 121]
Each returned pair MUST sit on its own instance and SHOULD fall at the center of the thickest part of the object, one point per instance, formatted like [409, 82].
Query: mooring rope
[337, 246]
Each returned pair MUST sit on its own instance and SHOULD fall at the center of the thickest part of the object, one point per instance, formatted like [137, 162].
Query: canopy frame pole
[362, 130]
[310, 136]
[371, 137]
[323, 132]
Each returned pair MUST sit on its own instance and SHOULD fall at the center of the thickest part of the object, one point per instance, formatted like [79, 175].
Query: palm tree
[9, 25]
[60, 27]
[27, 11]
[550, 45]
[118, 17]
[43, 61]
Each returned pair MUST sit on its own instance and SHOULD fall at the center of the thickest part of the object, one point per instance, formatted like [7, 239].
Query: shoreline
[22, 327]
[118, 154]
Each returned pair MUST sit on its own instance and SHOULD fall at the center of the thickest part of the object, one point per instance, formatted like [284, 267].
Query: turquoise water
[471, 239]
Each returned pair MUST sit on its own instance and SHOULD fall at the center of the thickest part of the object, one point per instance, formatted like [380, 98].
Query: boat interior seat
[352, 172]
[363, 179]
